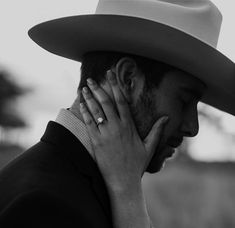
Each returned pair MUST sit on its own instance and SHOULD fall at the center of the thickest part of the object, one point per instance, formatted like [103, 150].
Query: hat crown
[198, 18]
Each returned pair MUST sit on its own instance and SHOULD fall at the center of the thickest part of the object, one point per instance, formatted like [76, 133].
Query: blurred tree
[10, 119]
[9, 92]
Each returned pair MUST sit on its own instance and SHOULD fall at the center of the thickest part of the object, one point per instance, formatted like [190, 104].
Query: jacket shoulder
[40, 209]
[40, 167]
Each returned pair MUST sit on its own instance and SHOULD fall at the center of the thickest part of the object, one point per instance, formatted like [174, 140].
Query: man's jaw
[170, 148]
[165, 150]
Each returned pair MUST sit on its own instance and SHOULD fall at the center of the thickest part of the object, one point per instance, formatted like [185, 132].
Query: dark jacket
[55, 183]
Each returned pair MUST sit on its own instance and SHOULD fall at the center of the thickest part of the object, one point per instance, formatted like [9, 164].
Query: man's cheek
[169, 128]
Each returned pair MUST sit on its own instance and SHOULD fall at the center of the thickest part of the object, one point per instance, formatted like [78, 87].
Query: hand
[119, 152]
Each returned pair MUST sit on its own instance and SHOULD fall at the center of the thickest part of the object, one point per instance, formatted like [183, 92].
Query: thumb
[152, 139]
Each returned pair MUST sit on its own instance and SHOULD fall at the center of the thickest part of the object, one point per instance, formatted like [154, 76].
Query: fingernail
[110, 75]
[85, 90]
[82, 105]
[90, 81]
[165, 119]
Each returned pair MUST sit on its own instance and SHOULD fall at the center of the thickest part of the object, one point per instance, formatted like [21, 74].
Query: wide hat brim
[72, 37]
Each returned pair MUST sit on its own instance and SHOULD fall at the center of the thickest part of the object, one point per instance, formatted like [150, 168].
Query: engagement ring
[100, 120]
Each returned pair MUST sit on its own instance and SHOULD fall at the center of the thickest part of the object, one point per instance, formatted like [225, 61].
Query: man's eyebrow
[197, 94]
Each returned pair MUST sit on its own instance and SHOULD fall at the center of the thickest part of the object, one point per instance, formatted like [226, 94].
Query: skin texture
[146, 107]
[119, 152]
[122, 156]
[181, 107]
[134, 132]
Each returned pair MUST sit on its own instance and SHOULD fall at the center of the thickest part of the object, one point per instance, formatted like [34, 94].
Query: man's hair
[95, 65]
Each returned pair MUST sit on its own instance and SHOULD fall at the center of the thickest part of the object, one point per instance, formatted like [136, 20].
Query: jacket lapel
[81, 159]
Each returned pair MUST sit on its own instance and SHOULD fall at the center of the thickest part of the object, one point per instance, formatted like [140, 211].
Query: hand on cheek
[120, 154]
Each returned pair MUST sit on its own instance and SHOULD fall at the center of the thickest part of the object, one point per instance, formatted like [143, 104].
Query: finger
[104, 100]
[93, 106]
[91, 126]
[154, 136]
[122, 105]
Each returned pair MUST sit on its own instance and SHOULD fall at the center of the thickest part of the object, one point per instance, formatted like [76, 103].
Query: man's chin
[158, 160]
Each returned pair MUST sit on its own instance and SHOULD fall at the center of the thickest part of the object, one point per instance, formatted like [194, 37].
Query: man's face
[177, 97]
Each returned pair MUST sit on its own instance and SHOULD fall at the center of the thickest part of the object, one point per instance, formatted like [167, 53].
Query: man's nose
[190, 125]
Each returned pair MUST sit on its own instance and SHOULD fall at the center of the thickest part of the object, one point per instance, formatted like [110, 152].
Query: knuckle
[106, 102]
[88, 121]
[88, 96]
[97, 144]
[117, 133]
[95, 87]
[128, 127]
[120, 101]
[96, 111]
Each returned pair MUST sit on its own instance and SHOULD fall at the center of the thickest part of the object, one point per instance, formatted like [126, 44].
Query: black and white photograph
[117, 114]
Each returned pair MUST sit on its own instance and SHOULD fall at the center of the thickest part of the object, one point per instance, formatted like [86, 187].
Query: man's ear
[128, 76]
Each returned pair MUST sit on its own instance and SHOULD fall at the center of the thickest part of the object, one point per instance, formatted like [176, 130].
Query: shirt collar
[67, 119]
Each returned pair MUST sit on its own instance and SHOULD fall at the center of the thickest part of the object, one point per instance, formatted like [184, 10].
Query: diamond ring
[100, 120]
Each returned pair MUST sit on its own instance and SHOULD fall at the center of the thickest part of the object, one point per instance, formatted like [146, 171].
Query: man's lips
[170, 146]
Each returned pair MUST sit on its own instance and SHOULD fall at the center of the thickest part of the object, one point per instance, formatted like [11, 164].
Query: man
[162, 59]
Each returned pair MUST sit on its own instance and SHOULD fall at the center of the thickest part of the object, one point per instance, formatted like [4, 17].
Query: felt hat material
[181, 33]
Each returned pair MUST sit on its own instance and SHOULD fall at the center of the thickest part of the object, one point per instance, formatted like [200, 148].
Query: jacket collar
[78, 155]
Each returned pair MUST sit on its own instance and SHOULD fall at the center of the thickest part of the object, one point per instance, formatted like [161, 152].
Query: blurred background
[196, 189]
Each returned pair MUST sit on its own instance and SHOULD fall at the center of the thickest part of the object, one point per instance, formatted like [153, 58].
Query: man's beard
[144, 116]
[144, 112]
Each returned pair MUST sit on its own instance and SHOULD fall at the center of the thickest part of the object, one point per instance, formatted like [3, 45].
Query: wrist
[129, 207]
[125, 189]
[127, 195]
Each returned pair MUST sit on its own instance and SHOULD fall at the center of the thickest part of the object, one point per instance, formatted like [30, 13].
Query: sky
[54, 79]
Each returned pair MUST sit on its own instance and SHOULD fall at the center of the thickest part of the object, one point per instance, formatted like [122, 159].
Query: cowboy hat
[181, 33]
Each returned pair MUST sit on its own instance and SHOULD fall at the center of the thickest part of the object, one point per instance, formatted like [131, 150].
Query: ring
[100, 120]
